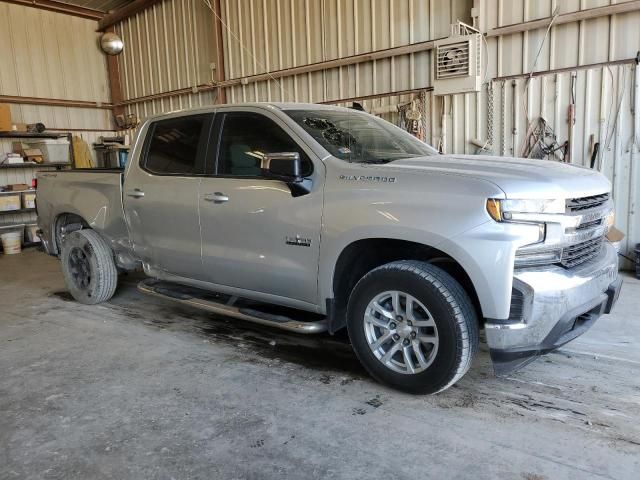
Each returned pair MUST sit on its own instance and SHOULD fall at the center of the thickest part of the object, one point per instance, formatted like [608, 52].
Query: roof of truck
[271, 105]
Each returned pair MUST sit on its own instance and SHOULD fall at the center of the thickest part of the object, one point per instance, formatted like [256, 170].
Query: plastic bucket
[637, 251]
[11, 242]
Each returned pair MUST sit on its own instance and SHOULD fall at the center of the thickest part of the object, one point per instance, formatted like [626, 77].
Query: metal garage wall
[603, 93]
[50, 55]
[168, 47]
[269, 35]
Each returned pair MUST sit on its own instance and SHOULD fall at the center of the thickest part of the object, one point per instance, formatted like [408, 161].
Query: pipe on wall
[54, 102]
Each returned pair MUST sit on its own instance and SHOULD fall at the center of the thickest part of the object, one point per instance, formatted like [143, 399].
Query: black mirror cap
[283, 165]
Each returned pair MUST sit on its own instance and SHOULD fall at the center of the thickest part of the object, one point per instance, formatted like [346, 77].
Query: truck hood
[517, 177]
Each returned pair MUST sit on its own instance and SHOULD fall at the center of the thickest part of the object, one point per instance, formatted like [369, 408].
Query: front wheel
[88, 267]
[412, 326]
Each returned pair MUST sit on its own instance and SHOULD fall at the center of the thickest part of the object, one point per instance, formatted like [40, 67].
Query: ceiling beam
[123, 13]
[60, 7]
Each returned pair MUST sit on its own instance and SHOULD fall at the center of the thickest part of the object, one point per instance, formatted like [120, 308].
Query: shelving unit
[18, 211]
[15, 212]
[49, 135]
[20, 192]
[57, 165]
[35, 166]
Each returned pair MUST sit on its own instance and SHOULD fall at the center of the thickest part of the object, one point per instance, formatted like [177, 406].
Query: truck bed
[95, 195]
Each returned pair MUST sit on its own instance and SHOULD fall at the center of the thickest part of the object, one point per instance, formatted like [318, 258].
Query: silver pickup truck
[313, 218]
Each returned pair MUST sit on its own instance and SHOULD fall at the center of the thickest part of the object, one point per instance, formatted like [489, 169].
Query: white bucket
[11, 242]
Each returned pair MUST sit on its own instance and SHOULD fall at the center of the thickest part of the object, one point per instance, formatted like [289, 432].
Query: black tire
[88, 267]
[451, 310]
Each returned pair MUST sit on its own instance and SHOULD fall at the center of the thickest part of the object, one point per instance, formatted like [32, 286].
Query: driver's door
[256, 235]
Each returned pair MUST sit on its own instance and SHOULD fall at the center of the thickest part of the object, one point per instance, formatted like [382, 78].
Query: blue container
[123, 155]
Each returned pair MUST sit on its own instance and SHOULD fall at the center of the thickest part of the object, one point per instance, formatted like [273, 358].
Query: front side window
[173, 146]
[247, 138]
[358, 137]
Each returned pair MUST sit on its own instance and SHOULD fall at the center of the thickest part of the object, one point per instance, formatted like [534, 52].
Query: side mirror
[284, 166]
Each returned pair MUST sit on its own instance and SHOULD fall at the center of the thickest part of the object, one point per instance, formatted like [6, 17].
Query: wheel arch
[62, 220]
[363, 255]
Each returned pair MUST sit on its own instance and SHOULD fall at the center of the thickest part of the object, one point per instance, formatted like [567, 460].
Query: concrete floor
[142, 388]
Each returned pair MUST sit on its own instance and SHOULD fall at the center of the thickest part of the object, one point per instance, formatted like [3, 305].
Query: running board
[230, 306]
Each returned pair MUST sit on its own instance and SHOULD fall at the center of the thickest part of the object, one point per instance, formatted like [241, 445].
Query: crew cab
[316, 218]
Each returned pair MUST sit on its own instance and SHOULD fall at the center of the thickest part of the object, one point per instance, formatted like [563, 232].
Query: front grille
[581, 252]
[586, 225]
[585, 203]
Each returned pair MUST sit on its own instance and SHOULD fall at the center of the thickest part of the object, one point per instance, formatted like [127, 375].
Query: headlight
[503, 210]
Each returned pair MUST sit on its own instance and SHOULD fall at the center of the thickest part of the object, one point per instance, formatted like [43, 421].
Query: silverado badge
[298, 240]
[368, 178]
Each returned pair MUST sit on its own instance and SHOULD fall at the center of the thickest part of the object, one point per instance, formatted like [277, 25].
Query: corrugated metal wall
[269, 35]
[168, 47]
[602, 95]
[50, 55]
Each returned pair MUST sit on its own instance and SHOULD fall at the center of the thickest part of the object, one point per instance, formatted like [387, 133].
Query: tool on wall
[541, 142]
[126, 122]
[571, 118]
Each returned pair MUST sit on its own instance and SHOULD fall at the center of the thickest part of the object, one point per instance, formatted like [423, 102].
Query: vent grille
[582, 252]
[453, 60]
[585, 203]
[516, 311]
[587, 225]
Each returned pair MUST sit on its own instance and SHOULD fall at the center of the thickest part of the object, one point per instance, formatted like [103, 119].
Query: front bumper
[558, 305]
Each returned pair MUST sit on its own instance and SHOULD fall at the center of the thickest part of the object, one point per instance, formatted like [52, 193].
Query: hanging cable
[535, 63]
[237, 39]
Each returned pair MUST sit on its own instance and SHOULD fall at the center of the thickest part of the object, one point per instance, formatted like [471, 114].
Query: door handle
[216, 197]
[136, 193]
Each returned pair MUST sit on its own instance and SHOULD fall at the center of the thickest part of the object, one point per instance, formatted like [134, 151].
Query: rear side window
[175, 146]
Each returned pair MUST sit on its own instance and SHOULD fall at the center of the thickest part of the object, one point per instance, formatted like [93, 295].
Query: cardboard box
[9, 202]
[5, 118]
[18, 147]
[33, 155]
[18, 187]
[615, 235]
[28, 200]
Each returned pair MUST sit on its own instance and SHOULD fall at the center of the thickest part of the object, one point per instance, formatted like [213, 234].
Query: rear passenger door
[257, 235]
[161, 194]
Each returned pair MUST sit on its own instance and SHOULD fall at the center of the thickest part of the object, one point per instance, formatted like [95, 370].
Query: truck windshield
[359, 137]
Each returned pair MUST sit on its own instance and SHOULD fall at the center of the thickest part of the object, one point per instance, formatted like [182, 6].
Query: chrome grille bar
[582, 252]
[585, 203]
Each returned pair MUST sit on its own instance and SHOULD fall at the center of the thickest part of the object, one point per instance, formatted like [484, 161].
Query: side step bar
[230, 306]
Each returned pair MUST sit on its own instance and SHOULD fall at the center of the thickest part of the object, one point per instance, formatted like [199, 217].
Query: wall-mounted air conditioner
[458, 65]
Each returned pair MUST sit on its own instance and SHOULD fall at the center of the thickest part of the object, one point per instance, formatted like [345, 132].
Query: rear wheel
[412, 326]
[88, 267]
